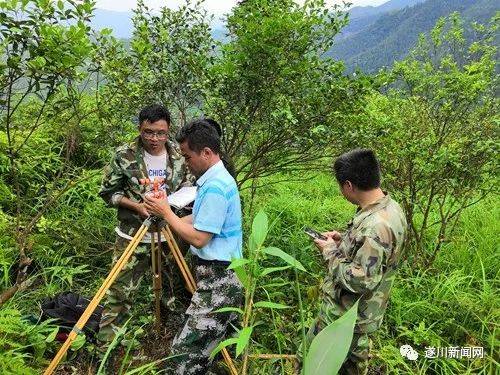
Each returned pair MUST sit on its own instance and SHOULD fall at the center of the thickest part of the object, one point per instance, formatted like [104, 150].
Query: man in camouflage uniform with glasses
[362, 261]
[150, 155]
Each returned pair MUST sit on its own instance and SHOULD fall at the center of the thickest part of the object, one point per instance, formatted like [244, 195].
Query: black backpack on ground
[66, 308]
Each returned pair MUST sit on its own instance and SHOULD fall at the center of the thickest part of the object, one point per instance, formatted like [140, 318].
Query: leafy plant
[22, 342]
[249, 272]
[329, 348]
[436, 131]
[276, 95]
[170, 51]
[43, 45]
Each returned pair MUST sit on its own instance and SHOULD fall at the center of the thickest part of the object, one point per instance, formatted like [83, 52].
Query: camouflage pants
[356, 362]
[203, 329]
[120, 297]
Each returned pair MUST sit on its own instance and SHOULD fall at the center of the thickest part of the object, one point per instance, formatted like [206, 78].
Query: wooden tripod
[181, 263]
[156, 250]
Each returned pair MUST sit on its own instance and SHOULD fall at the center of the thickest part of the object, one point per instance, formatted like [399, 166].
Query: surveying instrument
[160, 227]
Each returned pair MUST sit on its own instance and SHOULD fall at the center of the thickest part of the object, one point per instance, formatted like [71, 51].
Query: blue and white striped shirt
[217, 210]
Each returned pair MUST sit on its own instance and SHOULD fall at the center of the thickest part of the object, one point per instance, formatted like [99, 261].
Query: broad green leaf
[51, 337]
[237, 263]
[268, 270]
[230, 309]
[329, 348]
[222, 345]
[252, 246]
[78, 342]
[274, 251]
[280, 284]
[106, 31]
[243, 339]
[242, 275]
[270, 305]
[259, 228]
[38, 62]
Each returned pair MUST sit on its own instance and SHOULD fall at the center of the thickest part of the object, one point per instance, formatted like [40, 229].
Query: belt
[203, 262]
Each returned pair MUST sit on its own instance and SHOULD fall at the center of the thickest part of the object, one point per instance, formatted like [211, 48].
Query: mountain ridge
[375, 37]
[394, 34]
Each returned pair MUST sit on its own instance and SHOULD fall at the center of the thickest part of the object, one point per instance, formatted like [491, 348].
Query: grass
[453, 303]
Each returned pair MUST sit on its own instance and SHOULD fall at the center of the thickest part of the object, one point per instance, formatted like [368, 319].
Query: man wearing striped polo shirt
[214, 232]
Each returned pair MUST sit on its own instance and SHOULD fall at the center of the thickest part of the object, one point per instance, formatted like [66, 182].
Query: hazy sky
[216, 7]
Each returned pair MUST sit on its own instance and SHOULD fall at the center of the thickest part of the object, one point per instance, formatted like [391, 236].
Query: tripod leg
[134, 242]
[155, 265]
[158, 258]
[158, 268]
[188, 277]
[98, 296]
[176, 251]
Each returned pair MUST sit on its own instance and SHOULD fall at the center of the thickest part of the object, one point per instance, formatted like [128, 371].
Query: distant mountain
[362, 17]
[392, 5]
[394, 33]
[375, 36]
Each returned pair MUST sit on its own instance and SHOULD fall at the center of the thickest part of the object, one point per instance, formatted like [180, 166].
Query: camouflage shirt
[363, 265]
[122, 174]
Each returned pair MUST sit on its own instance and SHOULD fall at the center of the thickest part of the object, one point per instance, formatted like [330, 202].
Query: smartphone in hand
[315, 235]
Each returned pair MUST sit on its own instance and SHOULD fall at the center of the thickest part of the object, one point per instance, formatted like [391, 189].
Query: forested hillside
[375, 41]
[70, 95]
[360, 18]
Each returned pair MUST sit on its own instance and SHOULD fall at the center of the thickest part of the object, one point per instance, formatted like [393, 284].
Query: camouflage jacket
[363, 265]
[122, 174]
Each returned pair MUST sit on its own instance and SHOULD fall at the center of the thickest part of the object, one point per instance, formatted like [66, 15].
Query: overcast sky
[216, 7]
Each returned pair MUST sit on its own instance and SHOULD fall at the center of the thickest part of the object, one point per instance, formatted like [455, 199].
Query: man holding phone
[315, 235]
[362, 261]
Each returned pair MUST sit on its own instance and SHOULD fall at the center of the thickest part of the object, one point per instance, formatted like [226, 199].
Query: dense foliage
[69, 95]
[436, 130]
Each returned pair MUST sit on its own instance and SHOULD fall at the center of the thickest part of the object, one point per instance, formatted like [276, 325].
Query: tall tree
[276, 95]
[43, 44]
[170, 52]
[436, 130]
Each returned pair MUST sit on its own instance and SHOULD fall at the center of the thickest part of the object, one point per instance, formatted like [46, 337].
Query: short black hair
[153, 113]
[215, 124]
[360, 167]
[199, 134]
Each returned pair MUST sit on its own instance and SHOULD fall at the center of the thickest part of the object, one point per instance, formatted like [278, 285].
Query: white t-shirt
[156, 165]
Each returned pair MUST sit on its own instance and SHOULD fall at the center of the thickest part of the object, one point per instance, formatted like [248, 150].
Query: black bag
[66, 308]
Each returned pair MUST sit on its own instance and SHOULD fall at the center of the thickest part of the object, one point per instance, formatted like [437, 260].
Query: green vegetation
[452, 303]
[69, 95]
[377, 41]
